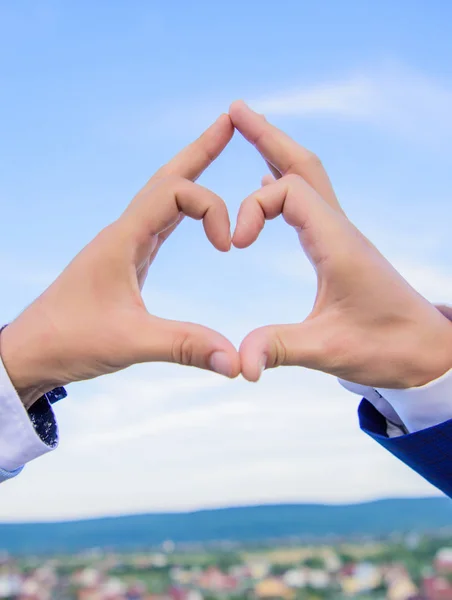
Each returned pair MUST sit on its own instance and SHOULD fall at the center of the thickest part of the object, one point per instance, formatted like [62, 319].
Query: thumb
[163, 340]
[272, 346]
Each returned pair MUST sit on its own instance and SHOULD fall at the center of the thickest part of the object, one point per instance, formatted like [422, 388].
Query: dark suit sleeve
[428, 452]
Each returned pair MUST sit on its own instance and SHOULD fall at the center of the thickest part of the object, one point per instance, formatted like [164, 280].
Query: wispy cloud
[403, 101]
[393, 98]
[293, 437]
[353, 98]
[157, 405]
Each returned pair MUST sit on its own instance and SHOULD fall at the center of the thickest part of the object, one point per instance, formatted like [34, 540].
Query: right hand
[92, 320]
[368, 325]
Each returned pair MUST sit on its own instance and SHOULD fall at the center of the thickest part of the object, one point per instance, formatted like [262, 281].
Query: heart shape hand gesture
[367, 325]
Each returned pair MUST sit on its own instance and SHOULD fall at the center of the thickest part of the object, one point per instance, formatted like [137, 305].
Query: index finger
[198, 155]
[281, 151]
[156, 212]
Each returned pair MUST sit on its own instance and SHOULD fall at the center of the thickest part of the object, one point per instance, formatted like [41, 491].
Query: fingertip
[217, 224]
[255, 373]
[225, 117]
[267, 180]
[251, 379]
[251, 373]
[223, 243]
[235, 239]
[240, 241]
[234, 242]
[223, 363]
[238, 108]
[236, 105]
[253, 355]
[250, 222]
[249, 368]
[223, 128]
[245, 234]
[225, 246]
[237, 367]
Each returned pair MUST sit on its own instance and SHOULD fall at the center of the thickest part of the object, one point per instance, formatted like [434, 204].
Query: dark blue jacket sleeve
[428, 452]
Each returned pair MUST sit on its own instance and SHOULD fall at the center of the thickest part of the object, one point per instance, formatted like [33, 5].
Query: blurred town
[409, 567]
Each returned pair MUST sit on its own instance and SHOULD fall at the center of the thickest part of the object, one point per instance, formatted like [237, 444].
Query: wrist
[429, 354]
[23, 355]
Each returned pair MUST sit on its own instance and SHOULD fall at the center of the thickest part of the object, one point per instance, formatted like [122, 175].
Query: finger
[267, 180]
[290, 196]
[197, 156]
[281, 151]
[187, 344]
[277, 345]
[154, 211]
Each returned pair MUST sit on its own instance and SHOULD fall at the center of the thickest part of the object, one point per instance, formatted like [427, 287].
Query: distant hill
[250, 523]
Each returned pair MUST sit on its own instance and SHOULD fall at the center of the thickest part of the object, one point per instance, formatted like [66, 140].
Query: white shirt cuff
[394, 424]
[412, 409]
[425, 406]
[19, 441]
[375, 398]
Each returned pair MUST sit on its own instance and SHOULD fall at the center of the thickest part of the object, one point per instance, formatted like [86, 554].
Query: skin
[92, 320]
[367, 324]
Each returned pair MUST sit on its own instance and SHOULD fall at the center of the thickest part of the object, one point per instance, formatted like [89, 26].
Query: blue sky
[94, 97]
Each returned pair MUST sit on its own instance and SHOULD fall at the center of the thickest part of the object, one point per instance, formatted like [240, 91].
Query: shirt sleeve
[23, 435]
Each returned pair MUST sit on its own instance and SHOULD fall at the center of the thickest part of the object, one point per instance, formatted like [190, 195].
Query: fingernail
[221, 363]
[262, 364]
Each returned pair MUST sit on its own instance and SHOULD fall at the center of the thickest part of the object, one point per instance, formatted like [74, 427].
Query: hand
[92, 319]
[367, 325]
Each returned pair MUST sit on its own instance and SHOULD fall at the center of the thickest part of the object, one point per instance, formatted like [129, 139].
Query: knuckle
[280, 351]
[313, 159]
[176, 180]
[173, 182]
[293, 178]
[308, 160]
[209, 155]
[183, 350]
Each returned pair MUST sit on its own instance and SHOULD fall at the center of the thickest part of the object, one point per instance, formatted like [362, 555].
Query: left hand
[92, 320]
[368, 325]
